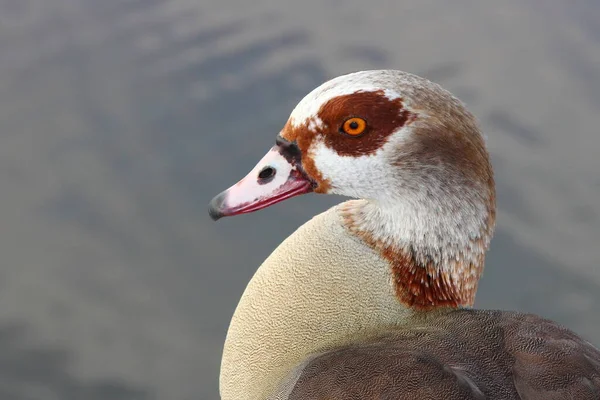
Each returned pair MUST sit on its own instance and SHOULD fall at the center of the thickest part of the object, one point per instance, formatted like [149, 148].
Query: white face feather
[401, 211]
[366, 176]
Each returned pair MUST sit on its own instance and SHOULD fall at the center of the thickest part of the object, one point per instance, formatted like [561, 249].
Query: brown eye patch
[384, 117]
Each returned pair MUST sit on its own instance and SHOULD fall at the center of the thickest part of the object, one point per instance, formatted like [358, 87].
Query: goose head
[415, 158]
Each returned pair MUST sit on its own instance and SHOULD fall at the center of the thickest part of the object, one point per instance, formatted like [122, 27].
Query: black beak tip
[215, 206]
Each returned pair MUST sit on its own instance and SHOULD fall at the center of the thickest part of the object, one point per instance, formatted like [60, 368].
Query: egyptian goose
[372, 298]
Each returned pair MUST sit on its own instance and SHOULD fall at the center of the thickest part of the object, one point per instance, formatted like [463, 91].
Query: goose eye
[354, 126]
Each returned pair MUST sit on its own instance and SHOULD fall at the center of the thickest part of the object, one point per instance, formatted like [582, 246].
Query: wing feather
[462, 355]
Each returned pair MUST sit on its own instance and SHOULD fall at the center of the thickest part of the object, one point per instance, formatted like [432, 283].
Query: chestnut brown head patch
[381, 115]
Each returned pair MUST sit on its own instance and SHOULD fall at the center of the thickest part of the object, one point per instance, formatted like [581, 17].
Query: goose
[372, 299]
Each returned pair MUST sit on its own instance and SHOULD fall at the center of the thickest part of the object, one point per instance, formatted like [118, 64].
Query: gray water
[119, 120]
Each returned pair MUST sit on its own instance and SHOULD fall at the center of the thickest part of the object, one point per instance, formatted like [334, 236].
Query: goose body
[371, 299]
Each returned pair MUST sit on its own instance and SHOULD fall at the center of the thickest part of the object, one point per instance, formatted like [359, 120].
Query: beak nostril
[266, 174]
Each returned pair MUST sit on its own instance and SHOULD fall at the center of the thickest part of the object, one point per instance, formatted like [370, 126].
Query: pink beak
[277, 177]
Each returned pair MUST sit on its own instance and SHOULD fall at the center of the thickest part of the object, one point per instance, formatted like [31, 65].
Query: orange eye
[354, 126]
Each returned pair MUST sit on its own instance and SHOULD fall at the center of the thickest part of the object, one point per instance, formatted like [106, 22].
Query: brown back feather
[461, 354]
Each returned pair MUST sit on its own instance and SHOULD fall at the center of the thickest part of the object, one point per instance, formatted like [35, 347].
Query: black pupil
[354, 125]
[266, 173]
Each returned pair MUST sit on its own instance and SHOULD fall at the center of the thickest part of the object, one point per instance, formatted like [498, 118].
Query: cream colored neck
[321, 288]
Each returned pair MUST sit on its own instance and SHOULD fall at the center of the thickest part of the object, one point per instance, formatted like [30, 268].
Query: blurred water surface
[120, 119]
